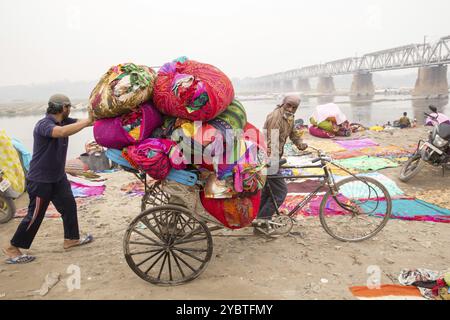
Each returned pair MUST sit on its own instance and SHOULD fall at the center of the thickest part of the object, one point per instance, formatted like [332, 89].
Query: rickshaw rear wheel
[154, 197]
[167, 246]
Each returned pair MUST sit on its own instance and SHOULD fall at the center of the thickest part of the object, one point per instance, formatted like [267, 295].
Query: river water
[377, 111]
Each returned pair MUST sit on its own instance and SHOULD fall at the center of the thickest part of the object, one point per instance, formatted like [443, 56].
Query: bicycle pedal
[277, 224]
[259, 223]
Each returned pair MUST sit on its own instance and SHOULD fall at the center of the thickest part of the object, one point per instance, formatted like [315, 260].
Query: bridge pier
[276, 85]
[325, 99]
[287, 85]
[362, 85]
[265, 86]
[326, 86]
[303, 85]
[432, 81]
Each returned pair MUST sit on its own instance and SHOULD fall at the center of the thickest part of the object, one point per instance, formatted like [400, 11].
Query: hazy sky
[46, 40]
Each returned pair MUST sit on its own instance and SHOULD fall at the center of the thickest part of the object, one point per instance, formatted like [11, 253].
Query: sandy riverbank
[243, 266]
[19, 109]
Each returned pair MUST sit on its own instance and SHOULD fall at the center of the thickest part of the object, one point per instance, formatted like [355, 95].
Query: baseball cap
[60, 99]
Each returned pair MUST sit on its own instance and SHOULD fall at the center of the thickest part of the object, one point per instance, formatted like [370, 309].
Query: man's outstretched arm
[71, 129]
[296, 137]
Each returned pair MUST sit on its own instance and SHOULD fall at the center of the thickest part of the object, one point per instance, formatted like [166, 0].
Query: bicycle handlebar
[321, 155]
[327, 159]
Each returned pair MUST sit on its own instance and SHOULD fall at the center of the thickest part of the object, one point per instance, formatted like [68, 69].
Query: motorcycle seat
[444, 131]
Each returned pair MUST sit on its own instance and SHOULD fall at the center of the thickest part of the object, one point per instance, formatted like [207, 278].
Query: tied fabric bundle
[245, 145]
[121, 89]
[234, 213]
[192, 90]
[132, 124]
[320, 133]
[248, 177]
[128, 129]
[233, 118]
[250, 170]
[193, 140]
[156, 157]
[247, 171]
[244, 176]
[328, 121]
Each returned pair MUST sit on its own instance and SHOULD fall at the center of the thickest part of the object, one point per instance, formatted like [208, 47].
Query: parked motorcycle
[7, 196]
[435, 151]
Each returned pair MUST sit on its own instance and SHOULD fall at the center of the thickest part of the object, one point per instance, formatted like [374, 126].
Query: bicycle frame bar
[326, 181]
[325, 176]
[301, 204]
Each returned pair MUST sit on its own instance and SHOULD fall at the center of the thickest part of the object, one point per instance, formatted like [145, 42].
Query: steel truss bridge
[409, 56]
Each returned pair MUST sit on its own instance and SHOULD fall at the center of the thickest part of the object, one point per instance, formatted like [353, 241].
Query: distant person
[404, 121]
[47, 181]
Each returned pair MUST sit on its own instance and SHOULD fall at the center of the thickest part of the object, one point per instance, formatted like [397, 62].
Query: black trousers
[41, 194]
[279, 189]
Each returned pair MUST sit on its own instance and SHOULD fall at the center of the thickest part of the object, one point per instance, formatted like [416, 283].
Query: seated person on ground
[404, 121]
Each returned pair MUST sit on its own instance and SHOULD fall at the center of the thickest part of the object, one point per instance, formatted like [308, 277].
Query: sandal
[83, 241]
[25, 258]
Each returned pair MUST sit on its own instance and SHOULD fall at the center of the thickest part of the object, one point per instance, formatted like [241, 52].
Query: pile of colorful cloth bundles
[127, 129]
[192, 90]
[202, 129]
[122, 88]
[329, 121]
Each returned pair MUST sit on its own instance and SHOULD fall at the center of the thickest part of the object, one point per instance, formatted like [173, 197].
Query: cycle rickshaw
[170, 241]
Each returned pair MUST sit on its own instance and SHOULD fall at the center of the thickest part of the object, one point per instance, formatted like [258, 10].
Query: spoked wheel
[282, 224]
[154, 197]
[7, 209]
[167, 246]
[357, 211]
[412, 167]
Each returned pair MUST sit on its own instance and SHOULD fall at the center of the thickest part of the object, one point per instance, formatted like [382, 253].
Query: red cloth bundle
[192, 90]
[234, 213]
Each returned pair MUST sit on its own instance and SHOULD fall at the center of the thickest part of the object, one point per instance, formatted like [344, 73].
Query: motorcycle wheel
[411, 167]
[7, 209]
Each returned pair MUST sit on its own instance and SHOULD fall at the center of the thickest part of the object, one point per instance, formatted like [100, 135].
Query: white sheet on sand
[85, 182]
[328, 110]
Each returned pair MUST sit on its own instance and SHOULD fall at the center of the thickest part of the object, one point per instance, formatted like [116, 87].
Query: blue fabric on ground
[390, 185]
[411, 209]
